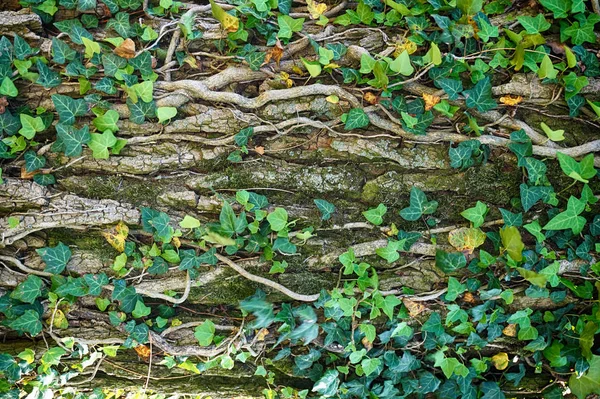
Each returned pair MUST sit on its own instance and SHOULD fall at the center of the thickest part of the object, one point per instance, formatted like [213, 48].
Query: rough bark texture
[182, 169]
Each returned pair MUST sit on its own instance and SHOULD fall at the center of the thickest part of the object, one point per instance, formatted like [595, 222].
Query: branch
[267, 282]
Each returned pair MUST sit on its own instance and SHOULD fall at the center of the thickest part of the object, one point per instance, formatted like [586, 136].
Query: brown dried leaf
[3, 104]
[125, 49]
[260, 150]
[143, 351]
[430, 101]
[414, 308]
[370, 98]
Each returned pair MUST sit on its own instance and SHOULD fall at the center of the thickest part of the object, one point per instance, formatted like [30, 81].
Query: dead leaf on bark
[430, 101]
[125, 49]
[116, 236]
[511, 100]
[3, 104]
[510, 330]
[315, 9]
[275, 53]
[414, 308]
[260, 150]
[370, 98]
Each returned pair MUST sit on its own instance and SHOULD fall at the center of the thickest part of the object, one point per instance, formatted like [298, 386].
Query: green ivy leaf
[22, 48]
[512, 242]
[356, 119]
[29, 323]
[108, 121]
[68, 108]
[72, 139]
[455, 288]
[449, 262]
[141, 110]
[278, 219]
[569, 219]
[560, 8]
[47, 77]
[29, 290]
[534, 25]
[205, 333]
[99, 144]
[10, 124]
[480, 96]
[476, 214]
[165, 113]
[325, 207]
[140, 310]
[452, 87]
[30, 126]
[288, 25]
[8, 88]
[580, 171]
[375, 215]
[56, 258]
[33, 161]
[418, 206]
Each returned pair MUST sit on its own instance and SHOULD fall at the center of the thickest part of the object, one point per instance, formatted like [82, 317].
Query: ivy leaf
[369, 366]
[85, 5]
[328, 384]
[72, 139]
[512, 242]
[33, 161]
[106, 85]
[68, 108]
[491, 390]
[288, 25]
[546, 69]
[560, 8]
[95, 283]
[580, 171]
[112, 63]
[108, 121]
[278, 219]
[8, 88]
[22, 48]
[325, 207]
[452, 87]
[29, 323]
[375, 215]
[44, 179]
[569, 219]
[29, 290]
[389, 252]
[55, 258]
[47, 77]
[449, 262]
[455, 288]
[480, 96]
[140, 310]
[356, 119]
[165, 113]
[418, 206]
[534, 25]
[402, 64]
[99, 144]
[476, 214]
[141, 110]
[10, 124]
[30, 126]
[450, 365]
[554, 135]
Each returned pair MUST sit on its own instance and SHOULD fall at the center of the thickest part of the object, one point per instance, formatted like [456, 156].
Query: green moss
[83, 241]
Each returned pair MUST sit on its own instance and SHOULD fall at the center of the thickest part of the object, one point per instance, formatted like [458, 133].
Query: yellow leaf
[315, 9]
[466, 238]
[60, 320]
[407, 45]
[414, 308]
[228, 21]
[510, 330]
[512, 242]
[511, 100]
[430, 100]
[333, 99]
[500, 360]
[117, 236]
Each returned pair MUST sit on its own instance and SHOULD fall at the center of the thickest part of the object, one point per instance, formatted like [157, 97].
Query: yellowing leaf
[430, 101]
[407, 45]
[228, 21]
[91, 47]
[414, 308]
[510, 330]
[466, 238]
[500, 360]
[116, 237]
[554, 135]
[315, 9]
[60, 320]
[512, 243]
[511, 100]
[332, 99]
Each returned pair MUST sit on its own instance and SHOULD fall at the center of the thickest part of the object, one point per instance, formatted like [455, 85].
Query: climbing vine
[477, 336]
